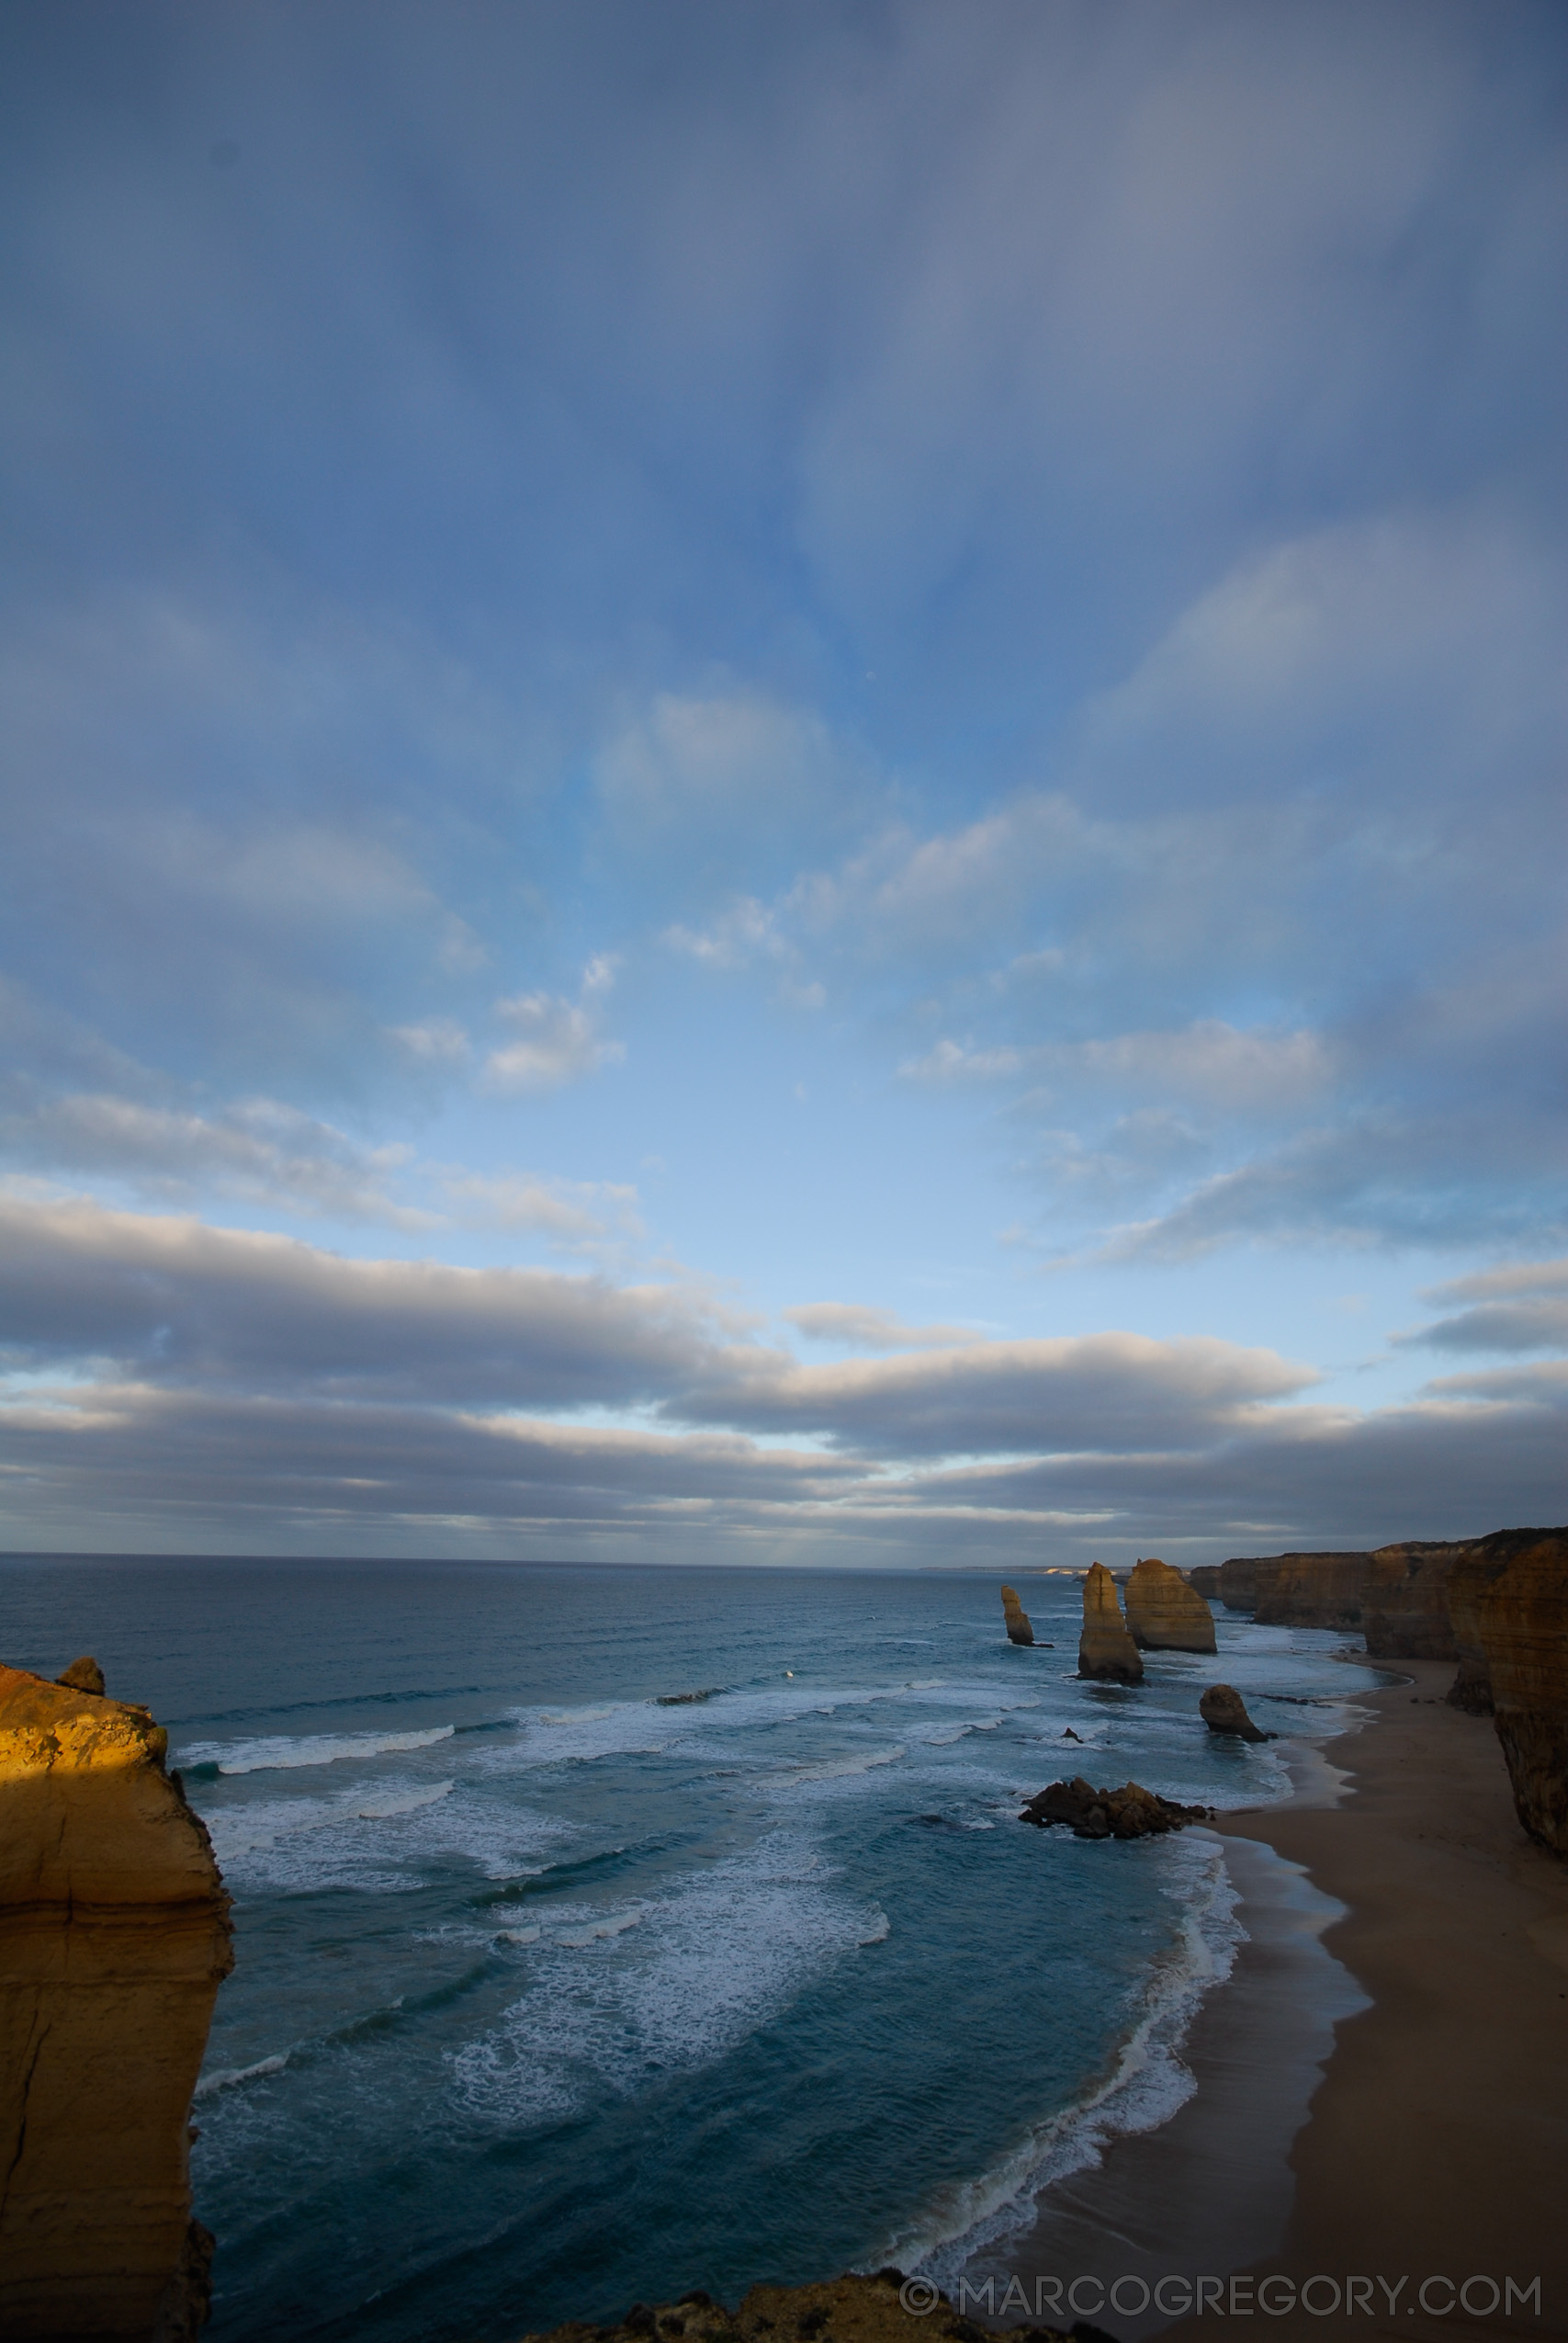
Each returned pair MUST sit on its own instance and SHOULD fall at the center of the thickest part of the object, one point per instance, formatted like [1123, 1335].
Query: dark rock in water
[1222, 1710]
[1016, 1618]
[1204, 1579]
[83, 1675]
[1106, 1653]
[1068, 1735]
[1163, 1612]
[1130, 1812]
[685, 1700]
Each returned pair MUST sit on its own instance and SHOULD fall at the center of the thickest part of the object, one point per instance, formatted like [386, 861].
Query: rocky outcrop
[1163, 1612]
[1016, 1618]
[1204, 1579]
[844, 2310]
[1130, 1812]
[1222, 1710]
[83, 1675]
[1106, 1653]
[1296, 1589]
[1509, 1598]
[114, 1933]
[1404, 1601]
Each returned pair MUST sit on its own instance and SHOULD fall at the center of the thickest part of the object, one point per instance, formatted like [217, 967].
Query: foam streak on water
[569, 1988]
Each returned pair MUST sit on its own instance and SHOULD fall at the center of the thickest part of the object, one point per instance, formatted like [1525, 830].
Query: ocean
[606, 1933]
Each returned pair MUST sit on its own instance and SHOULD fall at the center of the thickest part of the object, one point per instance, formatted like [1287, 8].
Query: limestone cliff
[1296, 1589]
[1404, 1601]
[1164, 1614]
[1509, 1595]
[1106, 1650]
[1016, 1618]
[114, 1933]
[1204, 1579]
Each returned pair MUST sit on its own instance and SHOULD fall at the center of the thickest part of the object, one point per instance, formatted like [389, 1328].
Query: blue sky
[783, 783]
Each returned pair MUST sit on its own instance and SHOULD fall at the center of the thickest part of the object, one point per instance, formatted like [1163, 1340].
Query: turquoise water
[556, 1989]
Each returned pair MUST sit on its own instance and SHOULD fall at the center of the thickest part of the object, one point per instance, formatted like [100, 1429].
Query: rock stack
[1404, 1601]
[1130, 1812]
[1164, 1614]
[114, 1933]
[1016, 1618]
[1296, 1589]
[1222, 1710]
[1106, 1653]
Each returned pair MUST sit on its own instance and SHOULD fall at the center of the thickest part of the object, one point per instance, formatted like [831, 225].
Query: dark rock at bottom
[1130, 1812]
[843, 2309]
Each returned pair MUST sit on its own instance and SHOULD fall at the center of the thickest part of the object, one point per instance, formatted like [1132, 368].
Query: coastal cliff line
[113, 1937]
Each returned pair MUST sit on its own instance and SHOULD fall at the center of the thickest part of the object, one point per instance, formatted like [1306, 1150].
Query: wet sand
[1382, 2086]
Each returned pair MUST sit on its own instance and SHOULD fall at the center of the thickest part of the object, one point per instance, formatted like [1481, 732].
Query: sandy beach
[1382, 2086]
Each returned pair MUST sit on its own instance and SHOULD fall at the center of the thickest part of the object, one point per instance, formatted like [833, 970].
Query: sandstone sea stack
[1222, 1710]
[1016, 1618]
[1204, 1579]
[1509, 1594]
[1164, 1614]
[114, 1933]
[1106, 1651]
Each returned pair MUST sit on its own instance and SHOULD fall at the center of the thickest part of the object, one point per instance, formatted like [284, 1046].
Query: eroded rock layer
[1164, 1614]
[1106, 1650]
[1204, 1579]
[1510, 1593]
[114, 1934]
[1016, 1618]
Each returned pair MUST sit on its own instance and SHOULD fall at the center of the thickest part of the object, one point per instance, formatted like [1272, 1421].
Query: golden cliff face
[1508, 1595]
[114, 1934]
[1106, 1650]
[1164, 1614]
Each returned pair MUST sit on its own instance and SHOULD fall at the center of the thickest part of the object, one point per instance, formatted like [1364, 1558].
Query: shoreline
[1382, 2084]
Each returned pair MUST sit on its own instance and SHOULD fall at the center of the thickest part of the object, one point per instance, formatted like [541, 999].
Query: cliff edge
[114, 1936]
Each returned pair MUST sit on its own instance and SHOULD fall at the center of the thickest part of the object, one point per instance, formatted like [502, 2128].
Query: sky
[782, 780]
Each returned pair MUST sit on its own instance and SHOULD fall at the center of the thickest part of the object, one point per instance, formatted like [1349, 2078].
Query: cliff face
[1016, 1618]
[1404, 1601]
[1106, 1650]
[1296, 1589]
[1204, 1579]
[114, 1933]
[1510, 1601]
[1164, 1614]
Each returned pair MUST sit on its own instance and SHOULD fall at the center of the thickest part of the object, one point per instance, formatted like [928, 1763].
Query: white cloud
[558, 1040]
[436, 1041]
[855, 1326]
[580, 1215]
